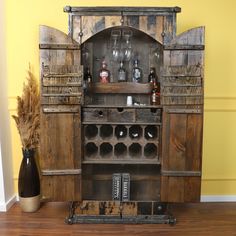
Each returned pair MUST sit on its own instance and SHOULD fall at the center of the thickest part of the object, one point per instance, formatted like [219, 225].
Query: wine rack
[116, 142]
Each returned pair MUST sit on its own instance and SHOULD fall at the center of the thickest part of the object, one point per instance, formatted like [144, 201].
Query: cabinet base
[161, 218]
[103, 219]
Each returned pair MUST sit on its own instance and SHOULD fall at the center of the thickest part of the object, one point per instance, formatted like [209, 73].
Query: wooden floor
[192, 219]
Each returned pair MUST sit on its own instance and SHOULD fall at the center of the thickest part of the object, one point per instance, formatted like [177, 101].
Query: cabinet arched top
[157, 22]
[194, 36]
[50, 35]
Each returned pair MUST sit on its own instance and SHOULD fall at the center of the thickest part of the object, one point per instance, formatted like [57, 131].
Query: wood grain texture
[121, 88]
[60, 149]
[59, 54]
[152, 24]
[169, 28]
[60, 138]
[106, 208]
[186, 49]
[177, 142]
[182, 141]
[180, 189]
[61, 187]
[181, 152]
[57, 150]
[192, 219]
[194, 142]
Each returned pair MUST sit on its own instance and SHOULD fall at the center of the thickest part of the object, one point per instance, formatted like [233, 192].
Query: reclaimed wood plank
[61, 187]
[177, 142]
[125, 87]
[179, 58]
[143, 23]
[56, 149]
[194, 142]
[132, 21]
[192, 189]
[159, 28]
[192, 70]
[112, 21]
[168, 28]
[176, 189]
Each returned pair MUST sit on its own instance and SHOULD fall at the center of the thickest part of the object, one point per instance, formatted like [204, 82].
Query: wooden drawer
[121, 115]
[95, 114]
[150, 115]
[114, 115]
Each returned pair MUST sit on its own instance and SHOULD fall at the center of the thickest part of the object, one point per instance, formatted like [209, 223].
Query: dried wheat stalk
[27, 118]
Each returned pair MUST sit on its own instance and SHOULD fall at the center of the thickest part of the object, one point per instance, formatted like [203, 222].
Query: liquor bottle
[155, 94]
[88, 76]
[136, 73]
[104, 74]
[152, 76]
[121, 73]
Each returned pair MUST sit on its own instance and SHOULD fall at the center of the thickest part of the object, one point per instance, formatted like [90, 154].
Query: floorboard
[192, 219]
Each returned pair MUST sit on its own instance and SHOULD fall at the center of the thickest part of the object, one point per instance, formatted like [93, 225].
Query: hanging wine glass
[127, 50]
[115, 37]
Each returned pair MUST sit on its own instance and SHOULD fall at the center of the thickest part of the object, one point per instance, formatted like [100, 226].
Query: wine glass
[115, 37]
[127, 51]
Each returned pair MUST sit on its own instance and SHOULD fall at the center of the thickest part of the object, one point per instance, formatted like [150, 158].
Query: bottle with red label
[104, 74]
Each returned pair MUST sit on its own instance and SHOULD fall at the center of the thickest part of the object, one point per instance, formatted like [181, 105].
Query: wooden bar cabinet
[88, 133]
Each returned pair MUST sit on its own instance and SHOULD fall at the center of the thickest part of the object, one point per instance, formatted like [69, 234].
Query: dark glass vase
[29, 183]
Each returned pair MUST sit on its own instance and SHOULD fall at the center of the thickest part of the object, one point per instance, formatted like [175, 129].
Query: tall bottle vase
[29, 182]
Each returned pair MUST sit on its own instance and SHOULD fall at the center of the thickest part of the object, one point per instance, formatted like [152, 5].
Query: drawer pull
[120, 109]
[100, 113]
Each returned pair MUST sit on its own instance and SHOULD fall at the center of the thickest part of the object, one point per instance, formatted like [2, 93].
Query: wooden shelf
[121, 88]
[131, 162]
[133, 177]
[123, 106]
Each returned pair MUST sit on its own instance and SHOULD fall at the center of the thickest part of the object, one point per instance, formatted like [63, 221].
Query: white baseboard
[5, 206]
[218, 198]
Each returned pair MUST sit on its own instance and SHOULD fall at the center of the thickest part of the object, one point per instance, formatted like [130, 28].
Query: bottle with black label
[137, 72]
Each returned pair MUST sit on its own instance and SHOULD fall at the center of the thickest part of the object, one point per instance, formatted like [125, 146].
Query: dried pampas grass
[27, 118]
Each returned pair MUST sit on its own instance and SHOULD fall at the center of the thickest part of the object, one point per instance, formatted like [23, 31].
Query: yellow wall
[219, 159]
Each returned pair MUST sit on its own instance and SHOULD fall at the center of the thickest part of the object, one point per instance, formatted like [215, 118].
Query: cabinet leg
[72, 207]
[171, 218]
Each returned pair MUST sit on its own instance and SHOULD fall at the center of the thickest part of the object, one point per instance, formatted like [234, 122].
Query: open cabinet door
[61, 95]
[182, 99]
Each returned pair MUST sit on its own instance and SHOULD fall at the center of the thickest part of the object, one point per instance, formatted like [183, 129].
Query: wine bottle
[121, 73]
[136, 73]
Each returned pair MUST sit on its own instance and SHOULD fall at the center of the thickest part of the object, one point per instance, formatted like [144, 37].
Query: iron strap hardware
[59, 46]
[180, 173]
[62, 172]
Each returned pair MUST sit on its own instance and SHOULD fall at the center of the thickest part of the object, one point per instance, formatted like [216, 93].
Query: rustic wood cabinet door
[60, 157]
[182, 83]
[61, 95]
[181, 159]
